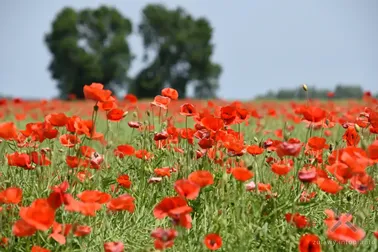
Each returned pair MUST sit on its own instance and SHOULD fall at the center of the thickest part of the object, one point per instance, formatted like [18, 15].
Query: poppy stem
[187, 143]
[239, 130]
[160, 117]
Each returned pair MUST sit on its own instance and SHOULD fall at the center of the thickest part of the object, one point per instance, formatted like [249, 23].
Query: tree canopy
[183, 49]
[341, 91]
[91, 45]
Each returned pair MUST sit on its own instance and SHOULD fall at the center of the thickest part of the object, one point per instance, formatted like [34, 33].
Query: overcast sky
[261, 44]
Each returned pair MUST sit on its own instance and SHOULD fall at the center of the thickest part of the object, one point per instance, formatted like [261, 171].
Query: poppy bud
[225, 177]
[304, 86]
[147, 112]
[109, 145]
[357, 127]
[364, 145]
[135, 114]
[125, 114]
[286, 135]
[255, 139]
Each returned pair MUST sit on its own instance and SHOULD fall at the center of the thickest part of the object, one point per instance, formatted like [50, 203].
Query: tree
[348, 91]
[341, 92]
[183, 50]
[89, 46]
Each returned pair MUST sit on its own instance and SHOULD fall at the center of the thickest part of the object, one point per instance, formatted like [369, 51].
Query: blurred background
[241, 49]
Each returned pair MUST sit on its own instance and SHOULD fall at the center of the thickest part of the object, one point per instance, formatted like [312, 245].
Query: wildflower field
[188, 175]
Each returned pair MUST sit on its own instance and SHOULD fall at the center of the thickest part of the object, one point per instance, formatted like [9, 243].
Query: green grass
[246, 221]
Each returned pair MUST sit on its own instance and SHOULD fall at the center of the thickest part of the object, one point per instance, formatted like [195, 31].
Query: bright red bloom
[298, 220]
[202, 178]
[114, 247]
[187, 189]
[187, 109]
[351, 136]
[39, 214]
[11, 195]
[309, 243]
[115, 115]
[94, 196]
[241, 173]
[164, 238]
[341, 229]
[213, 241]
[123, 202]
[96, 92]
[170, 92]
[124, 181]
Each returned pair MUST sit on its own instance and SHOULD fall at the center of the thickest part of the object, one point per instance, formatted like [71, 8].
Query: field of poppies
[188, 175]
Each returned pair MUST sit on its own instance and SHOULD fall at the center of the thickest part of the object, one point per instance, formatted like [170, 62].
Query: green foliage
[183, 49]
[246, 220]
[89, 46]
[341, 92]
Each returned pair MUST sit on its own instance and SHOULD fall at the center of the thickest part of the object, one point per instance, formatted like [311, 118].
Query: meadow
[188, 175]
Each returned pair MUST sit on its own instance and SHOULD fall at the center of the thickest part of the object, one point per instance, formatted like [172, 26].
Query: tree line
[341, 91]
[91, 45]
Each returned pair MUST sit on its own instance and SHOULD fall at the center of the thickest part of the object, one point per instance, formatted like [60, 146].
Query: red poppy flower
[94, 196]
[202, 178]
[115, 115]
[351, 136]
[164, 238]
[170, 92]
[96, 92]
[131, 98]
[297, 219]
[161, 101]
[314, 114]
[123, 202]
[114, 247]
[254, 150]
[309, 243]
[11, 195]
[187, 189]
[124, 181]
[124, 150]
[39, 214]
[241, 173]
[187, 109]
[213, 241]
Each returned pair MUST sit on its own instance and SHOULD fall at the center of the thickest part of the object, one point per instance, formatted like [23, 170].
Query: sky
[261, 44]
